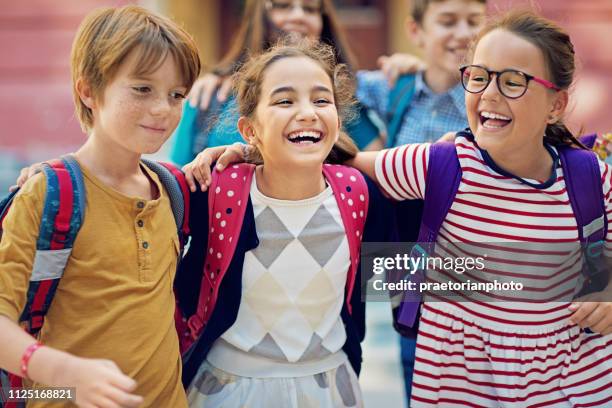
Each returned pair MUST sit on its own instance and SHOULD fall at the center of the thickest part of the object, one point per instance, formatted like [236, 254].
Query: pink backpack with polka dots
[227, 203]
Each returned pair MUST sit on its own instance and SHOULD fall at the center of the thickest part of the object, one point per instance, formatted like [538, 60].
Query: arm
[203, 89]
[198, 171]
[97, 381]
[400, 171]
[364, 162]
[399, 64]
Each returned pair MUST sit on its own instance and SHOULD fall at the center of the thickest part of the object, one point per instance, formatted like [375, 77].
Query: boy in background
[423, 107]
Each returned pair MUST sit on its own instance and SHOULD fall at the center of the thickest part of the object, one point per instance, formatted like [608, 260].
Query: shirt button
[140, 204]
[145, 245]
[140, 223]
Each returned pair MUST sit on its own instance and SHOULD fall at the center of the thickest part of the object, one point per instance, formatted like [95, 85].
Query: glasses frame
[490, 73]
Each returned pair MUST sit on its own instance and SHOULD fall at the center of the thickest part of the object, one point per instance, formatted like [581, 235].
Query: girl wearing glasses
[512, 191]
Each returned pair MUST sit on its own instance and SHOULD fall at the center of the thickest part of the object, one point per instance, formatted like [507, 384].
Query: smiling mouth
[153, 129]
[492, 120]
[303, 137]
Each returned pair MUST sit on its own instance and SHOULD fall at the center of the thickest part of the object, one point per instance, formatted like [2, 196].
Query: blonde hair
[248, 80]
[106, 37]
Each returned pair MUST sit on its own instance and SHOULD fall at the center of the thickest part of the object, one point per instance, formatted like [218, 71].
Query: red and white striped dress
[510, 354]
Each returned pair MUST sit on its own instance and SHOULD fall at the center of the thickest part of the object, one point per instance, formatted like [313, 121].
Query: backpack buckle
[594, 249]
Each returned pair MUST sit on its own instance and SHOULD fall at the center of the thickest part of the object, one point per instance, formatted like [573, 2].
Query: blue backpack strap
[362, 129]
[62, 217]
[399, 99]
[5, 204]
[173, 180]
[442, 182]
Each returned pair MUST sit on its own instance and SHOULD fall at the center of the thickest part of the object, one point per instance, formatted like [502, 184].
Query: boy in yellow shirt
[110, 332]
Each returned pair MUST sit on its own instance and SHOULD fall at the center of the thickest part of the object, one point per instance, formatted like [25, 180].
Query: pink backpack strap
[227, 202]
[351, 192]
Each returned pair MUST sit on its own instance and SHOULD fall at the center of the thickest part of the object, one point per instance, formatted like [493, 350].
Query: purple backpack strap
[441, 185]
[583, 183]
[588, 140]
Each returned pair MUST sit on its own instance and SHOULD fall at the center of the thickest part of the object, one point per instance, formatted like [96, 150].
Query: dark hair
[256, 35]
[558, 51]
[248, 80]
[418, 8]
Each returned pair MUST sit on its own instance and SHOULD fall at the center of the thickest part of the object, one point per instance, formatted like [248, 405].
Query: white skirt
[336, 388]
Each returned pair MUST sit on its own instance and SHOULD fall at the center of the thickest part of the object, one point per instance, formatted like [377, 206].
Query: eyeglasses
[510, 82]
[286, 6]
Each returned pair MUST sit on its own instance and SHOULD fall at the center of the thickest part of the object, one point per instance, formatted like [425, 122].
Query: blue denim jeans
[408, 348]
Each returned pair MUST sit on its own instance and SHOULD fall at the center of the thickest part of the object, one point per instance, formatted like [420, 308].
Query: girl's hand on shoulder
[199, 170]
[25, 174]
[203, 89]
[448, 137]
[98, 383]
[593, 311]
[399, 64]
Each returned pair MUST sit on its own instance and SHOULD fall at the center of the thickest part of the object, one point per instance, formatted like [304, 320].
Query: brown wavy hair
[247, 85]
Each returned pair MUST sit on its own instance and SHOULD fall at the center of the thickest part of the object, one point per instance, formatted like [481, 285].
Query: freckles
[127, 104]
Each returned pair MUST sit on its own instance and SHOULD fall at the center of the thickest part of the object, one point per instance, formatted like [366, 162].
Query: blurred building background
[36, 108]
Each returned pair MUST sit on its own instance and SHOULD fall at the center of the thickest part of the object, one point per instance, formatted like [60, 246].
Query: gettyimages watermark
[489, 272]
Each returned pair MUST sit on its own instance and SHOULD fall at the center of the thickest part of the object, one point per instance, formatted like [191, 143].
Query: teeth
[492, 115]
[315, 135]
[487, 125]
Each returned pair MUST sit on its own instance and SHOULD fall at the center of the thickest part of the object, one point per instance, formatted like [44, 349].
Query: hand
[25, 174]
[448, 137]
[593, 311]
[98, 383]
[199, 169]
[399, 64]
[203, 89]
